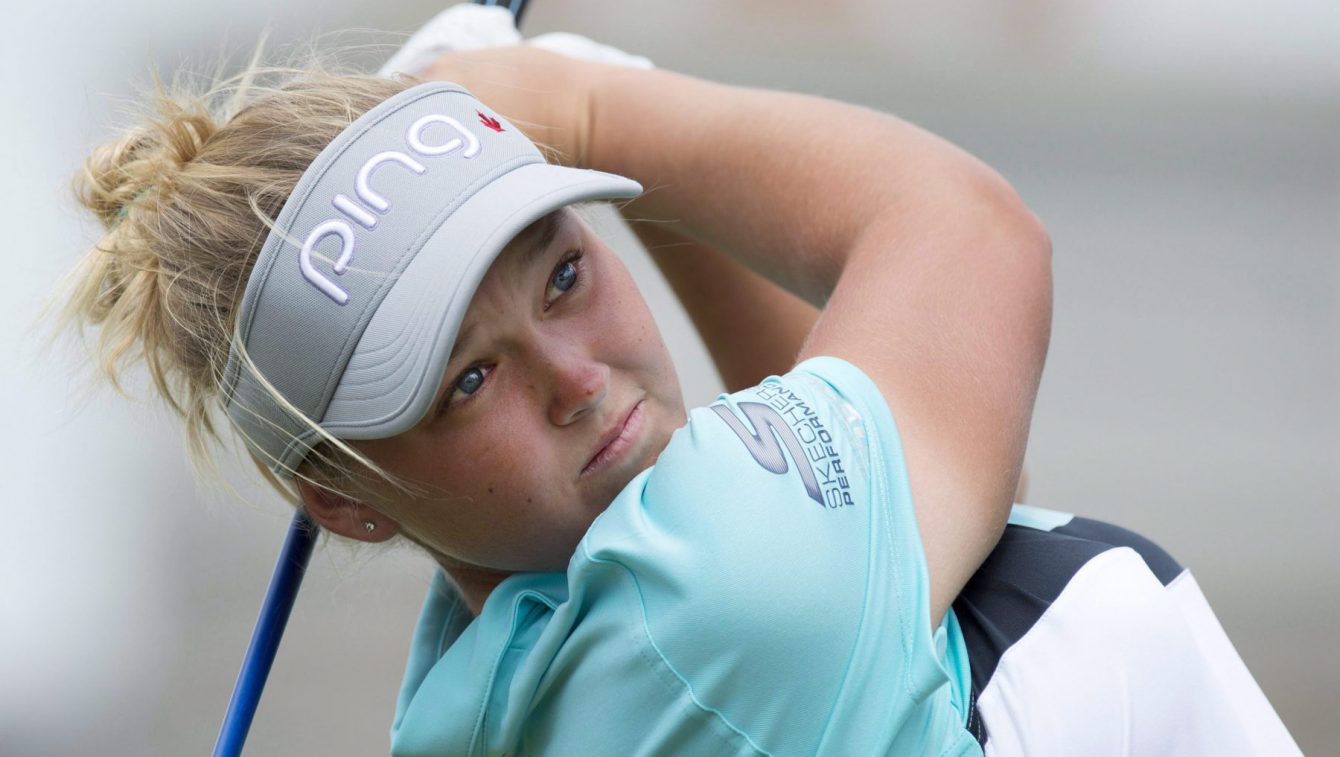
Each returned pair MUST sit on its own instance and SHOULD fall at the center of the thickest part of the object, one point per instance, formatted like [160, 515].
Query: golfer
[392, 291]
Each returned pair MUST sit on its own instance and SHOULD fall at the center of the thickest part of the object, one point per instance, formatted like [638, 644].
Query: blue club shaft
[284, 585]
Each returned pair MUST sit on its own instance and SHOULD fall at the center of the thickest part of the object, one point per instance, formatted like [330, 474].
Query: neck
[475, 583]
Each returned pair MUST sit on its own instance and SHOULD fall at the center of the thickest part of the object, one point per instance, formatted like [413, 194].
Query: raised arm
[751, 327]
[932, 276]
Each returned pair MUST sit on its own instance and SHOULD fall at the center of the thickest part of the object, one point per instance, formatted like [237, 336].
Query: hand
[466, 26]
[543, 93]
[469, 26]
[533, 90]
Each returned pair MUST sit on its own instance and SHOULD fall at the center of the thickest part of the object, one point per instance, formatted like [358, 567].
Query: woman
[428, 341]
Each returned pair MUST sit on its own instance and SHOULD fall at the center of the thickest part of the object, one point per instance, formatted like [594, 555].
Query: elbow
[1034, 237]
[978, 212]
[1012, 220]
[1006, 270]
[1035, 241]
[1023, 247]
[1036, 261]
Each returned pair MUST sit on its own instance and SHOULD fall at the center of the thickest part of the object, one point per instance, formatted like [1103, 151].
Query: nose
[578, 385]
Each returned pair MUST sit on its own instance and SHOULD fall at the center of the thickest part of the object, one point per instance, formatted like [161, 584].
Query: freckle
[528, 500]
[490, 488]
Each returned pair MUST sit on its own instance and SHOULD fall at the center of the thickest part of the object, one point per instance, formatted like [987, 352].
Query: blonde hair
[186, 200]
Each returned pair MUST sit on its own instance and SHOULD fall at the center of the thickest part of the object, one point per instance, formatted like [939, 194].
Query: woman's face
[557, 355]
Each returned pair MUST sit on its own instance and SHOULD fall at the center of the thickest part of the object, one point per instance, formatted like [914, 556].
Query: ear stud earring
[370, 526]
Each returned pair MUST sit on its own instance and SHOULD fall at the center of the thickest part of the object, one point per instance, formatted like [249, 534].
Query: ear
[347, 517]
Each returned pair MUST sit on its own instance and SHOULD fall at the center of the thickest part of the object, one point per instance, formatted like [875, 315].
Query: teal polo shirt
[761, 589]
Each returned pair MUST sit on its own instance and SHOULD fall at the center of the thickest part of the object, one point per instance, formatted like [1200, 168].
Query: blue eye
[470, 381]
[565, 276]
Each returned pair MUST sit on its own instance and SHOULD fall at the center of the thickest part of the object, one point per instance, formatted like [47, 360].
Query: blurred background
[1185, 156]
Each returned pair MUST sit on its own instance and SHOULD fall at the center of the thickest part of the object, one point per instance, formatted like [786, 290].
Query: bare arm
[933, 277]
[751, 327]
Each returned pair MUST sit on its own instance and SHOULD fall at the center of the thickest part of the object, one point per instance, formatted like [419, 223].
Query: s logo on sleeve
[782, 418]
[763, 443]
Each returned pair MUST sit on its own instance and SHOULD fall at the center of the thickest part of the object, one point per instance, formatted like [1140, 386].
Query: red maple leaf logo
[492, 123]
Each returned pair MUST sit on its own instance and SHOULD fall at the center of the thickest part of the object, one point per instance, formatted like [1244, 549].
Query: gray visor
[356, 298]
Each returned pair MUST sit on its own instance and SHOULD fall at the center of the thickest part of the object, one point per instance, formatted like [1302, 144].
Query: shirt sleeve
[772, 555]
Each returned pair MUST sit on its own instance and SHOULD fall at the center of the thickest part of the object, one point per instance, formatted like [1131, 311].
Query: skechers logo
[763, 443]
[360, 211]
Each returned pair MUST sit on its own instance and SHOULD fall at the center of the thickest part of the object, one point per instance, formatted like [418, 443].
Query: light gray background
[1185, 156]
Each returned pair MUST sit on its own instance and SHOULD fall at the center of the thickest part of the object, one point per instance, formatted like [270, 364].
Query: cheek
[495, 480]
[498, 457]
[624, 323]
[647, 355]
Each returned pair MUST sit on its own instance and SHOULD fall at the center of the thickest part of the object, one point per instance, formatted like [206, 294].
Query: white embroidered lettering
[363, 187]
[360, 210]
[346, 234]
[354, 211]
[415, 137]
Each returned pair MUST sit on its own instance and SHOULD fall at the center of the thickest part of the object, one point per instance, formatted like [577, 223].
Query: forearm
[751, 327]
[786, 183]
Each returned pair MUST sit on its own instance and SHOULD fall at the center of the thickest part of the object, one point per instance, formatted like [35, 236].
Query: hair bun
[118, 175]
[187, 196]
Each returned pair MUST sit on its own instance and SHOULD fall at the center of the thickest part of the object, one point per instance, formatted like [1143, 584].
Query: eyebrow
[549, 226]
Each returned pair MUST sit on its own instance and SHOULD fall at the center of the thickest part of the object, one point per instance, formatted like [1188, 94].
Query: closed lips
[610, 437]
